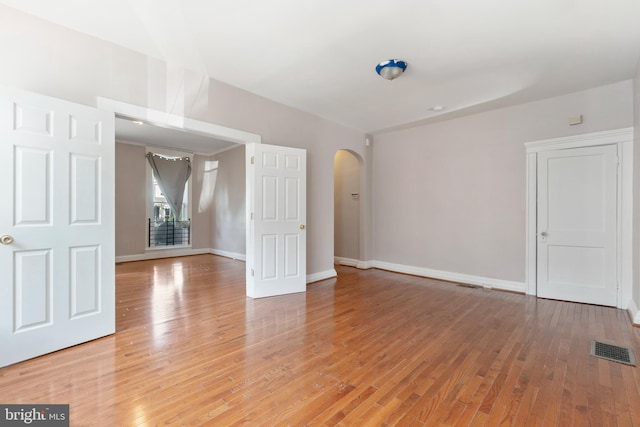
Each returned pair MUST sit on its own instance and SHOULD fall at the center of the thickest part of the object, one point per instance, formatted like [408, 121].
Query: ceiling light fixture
[391, 68]
[138, 122]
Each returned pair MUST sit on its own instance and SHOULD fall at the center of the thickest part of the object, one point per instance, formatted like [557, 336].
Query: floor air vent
[465, 285]
[613, 353]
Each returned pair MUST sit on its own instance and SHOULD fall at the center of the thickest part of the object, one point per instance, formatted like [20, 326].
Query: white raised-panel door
[57, 219]
[576, 232]
[276, 234]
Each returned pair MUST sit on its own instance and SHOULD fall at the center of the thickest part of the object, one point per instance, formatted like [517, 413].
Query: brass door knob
[301, 226]
[6, 239]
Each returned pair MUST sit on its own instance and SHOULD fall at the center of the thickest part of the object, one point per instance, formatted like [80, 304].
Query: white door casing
[276, 220]
[58, 286]
[623, 140]
[577, 224]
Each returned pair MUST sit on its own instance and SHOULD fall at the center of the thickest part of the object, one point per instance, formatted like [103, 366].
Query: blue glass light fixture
[391, 68]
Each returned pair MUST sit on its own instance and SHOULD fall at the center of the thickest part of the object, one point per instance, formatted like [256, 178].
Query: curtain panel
[171, 174]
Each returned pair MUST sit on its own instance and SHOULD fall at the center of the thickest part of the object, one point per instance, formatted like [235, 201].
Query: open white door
[276, 235]
[577, 211]
[57, 255]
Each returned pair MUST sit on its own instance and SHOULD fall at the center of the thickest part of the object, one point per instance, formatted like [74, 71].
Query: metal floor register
[613, 353]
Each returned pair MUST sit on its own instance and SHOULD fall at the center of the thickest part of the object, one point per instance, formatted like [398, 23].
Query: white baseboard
[315, 277]
[634, 313]
[162, 253]
[345, 261]
[232, 255]
[170, 253]
[364, 265]
[486, 282]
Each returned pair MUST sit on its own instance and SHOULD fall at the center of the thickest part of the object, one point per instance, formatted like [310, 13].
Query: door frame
[173, 121]
[623, 138]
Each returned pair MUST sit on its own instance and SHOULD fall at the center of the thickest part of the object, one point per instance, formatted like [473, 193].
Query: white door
[276, 235]
[57, 255]
[577, 210]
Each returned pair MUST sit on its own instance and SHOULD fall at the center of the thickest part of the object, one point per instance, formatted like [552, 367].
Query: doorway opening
[142, 126]
[347, 168]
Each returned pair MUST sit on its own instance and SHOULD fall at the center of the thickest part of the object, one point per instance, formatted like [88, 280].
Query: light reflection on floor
[167, 299]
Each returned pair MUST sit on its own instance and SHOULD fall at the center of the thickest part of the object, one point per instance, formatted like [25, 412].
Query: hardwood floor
[369, 348]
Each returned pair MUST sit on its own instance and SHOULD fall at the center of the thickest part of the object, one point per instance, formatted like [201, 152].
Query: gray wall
[83, 68]
[200, 209]
[451, 196]
[228, 219]
[131, 196]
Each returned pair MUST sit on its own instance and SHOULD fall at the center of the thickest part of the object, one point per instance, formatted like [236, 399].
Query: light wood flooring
[368, 348]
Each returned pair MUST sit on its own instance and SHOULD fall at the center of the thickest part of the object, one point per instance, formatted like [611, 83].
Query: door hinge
[253, 160]
[252, 272]
[251, 216]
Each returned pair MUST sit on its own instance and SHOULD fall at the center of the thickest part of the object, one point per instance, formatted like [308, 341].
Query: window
[161, 208]
[166, 226]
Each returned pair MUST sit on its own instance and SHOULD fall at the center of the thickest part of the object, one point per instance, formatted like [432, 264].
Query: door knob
[543, 234]
[6, 239]
[301, 226]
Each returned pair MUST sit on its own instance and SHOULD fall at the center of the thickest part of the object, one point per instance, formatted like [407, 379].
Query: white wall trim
[162, 253]
[531, 253]
[634, 313]
[315, 277]
[585, 140]
[486, 282]
[232, 255]
[173, 121]
[625, 224]
[363, 265]
[346, 261]
[623, 138]
[178, 252]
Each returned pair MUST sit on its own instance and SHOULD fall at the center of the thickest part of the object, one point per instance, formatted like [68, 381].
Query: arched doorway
[347, 211]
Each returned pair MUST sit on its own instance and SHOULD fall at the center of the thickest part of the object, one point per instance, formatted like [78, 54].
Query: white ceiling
[319, 55]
